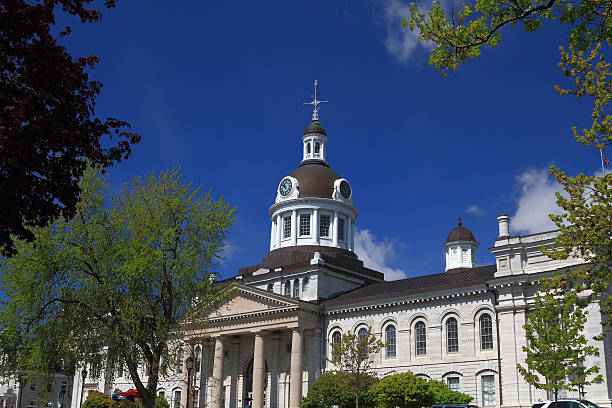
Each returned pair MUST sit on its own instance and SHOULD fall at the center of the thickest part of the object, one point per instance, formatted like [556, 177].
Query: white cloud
[476, 210]
[375, 254]
[536, 200]
[400, 42]
[229, 250]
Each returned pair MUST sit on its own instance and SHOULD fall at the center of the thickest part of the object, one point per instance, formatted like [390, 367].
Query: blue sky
[216, 88]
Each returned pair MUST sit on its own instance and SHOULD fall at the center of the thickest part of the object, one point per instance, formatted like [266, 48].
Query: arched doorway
[247, 387]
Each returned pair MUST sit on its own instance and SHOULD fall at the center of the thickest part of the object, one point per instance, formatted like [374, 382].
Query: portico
[258, 350]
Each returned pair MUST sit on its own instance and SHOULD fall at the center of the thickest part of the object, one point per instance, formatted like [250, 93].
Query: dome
[314, 127]
[460, 233]
[315, 178]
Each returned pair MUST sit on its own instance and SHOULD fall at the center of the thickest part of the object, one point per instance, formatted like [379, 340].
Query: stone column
[294, 229]
[315, 225]
[279, 230]
[259, 371]
[217, 383]
[272, 230]
[234, 397]
[273, 384]
[335, 230]
[295, 382]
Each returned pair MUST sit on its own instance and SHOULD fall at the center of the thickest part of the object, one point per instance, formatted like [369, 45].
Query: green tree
[354, 356]
[97, 399]
[329, 390]
[556, 346]
[404, 390]
[444, 395]
[111, 285]
[461, 31]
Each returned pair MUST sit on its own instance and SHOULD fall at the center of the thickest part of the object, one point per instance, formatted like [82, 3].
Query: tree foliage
[404, 390]
[330, 390]
[48, 128]
[354, 357]
[109, 286]
[444, 395]
[556, 346]
[97, 399]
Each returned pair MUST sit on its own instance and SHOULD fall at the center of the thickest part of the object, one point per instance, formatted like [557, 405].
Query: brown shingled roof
[414, 286]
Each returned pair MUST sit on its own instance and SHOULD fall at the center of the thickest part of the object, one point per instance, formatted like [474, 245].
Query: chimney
[504, 225]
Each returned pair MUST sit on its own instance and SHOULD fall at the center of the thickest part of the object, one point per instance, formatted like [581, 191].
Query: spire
[315, 102]
[459, 221]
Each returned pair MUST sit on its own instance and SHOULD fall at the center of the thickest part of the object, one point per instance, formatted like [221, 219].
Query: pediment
[243, 302]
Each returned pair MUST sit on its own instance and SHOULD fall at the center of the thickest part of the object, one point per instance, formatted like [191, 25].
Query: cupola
[314, 141]
[460, 248]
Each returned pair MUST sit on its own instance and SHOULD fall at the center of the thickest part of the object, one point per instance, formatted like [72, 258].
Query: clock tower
[314, 205]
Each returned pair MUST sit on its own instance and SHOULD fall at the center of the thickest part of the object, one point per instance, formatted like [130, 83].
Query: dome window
[304, 225]
[287, 227]
[287, 288]
[340, 228]
[317, 149]
[296, 289]
[308, 149]
[324, 222]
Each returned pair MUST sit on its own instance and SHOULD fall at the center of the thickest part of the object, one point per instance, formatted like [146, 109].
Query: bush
[160, 402]
[330, 389]
[404, 390]
[97, 399]
[443, 395]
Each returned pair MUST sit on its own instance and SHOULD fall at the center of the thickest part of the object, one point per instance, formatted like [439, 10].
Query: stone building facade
[266, 344]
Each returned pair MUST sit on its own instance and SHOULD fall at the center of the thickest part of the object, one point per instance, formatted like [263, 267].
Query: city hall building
[266, 344]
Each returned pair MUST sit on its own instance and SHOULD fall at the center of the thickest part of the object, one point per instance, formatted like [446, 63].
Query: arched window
[335, 339]
[452, 335]
[287, 288]
[270, 287]
[486, 332]
[317, 148]
[296, 288]
[307, 148]
[305, 283]
[420, 338]
[390, 339]
[362, 334]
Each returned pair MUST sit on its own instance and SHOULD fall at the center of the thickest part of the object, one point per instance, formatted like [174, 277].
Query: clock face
[345, 189]
[285, 187]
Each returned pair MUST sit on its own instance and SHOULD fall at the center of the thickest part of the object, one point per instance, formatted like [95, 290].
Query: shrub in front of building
[97, 399]
[444, 395]
[330, 390]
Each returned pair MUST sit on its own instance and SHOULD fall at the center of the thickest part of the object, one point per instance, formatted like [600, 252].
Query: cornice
[312, 201]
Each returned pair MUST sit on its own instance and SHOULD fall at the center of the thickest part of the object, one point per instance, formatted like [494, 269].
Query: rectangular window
[488, 390]
[286, 227]
[453, 383]
[179, 361]
[304, 225]
[340, 229]
[177, 399]
[324, 222]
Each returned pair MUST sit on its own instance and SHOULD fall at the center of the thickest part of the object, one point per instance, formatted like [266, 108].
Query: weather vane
[315, 102]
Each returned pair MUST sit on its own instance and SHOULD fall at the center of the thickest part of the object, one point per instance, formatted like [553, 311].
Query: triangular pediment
[243, 301]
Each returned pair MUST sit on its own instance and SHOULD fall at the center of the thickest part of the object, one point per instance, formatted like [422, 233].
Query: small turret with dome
[460, 248]
[314, 205]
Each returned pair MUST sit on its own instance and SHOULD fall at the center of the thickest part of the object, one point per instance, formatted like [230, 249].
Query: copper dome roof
[314, 127]
[315, 178]
[460, 233]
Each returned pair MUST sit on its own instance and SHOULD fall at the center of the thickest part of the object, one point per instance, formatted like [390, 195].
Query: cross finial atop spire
[460, 221]
[315, 102]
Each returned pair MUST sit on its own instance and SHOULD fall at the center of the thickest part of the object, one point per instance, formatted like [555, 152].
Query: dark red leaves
[48, 131]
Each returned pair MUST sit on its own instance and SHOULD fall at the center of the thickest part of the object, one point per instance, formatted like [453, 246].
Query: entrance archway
[247, 393]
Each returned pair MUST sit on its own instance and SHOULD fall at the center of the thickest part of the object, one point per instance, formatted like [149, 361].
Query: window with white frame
[270, 287]
[161, 393]
[179, 361]
[486, 332]
[324, 222]
[362, 334]
[308, 148]
[296, 288]
[420, 338]
[488, 390]
[452, 335]
[335, 339]
[304, 225]
[340, 228]
[287, 227]
[453, 383]
[317, 149]
[391, 341]
[287, 288]
[305, 283]
[177, 399]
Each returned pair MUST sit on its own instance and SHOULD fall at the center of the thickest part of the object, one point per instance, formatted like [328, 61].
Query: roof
[460, 233]
[415, 286]
[314, 127]
[315, 179]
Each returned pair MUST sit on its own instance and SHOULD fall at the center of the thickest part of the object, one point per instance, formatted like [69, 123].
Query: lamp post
[189, 366]
[83, 376]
